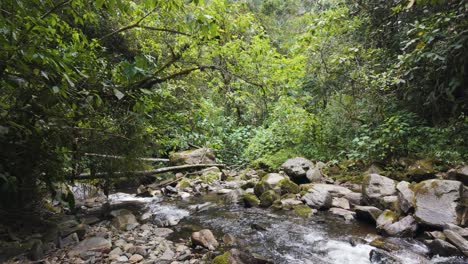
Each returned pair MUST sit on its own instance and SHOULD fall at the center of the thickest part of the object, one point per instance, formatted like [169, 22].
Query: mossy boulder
[303, 210]
[183, 184]
[277, 205]
[209, 177]
[197, 156]
[268, 197]
[250, 200]
[287, 186]
[222, 259]
[268, 182]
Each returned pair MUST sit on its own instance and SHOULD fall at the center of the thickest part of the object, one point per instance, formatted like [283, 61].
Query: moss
[268, 197]
[261, 187]
[306, 187]
[302, 193]
[222, 259]
[247, 185]
[250, 200]
[390, 215]
[288, 196]
[183, 184]
[230, 178]
[209, 177]
[287, 186]
[380, 243]
[302, 210]
[419, 188]
[274, 161]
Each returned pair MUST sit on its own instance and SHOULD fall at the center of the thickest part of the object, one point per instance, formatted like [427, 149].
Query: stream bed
[283, 237]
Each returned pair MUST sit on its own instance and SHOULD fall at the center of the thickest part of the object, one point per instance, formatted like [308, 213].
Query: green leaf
[118, 94]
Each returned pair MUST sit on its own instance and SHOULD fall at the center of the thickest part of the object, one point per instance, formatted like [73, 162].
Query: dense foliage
[258, 81]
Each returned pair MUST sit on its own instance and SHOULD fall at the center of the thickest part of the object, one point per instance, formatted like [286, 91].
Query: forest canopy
[256, 81]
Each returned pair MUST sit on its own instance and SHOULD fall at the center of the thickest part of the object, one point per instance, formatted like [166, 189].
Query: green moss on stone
[268, 197]
[302, 210]
[183, 184]
[209, 177]
[222, 259]
[250, 200]
[277, 205]
[287, 186]
[261, 187]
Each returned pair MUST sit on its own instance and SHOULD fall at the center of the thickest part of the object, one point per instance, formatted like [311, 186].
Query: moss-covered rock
[302, 210]
[209, 177]
[277, 205]
[287, 186]
[268, 182]
[183, 184]
[420, 170]
[247, 185]
[268, 197]
[222, 259]
[250, 200]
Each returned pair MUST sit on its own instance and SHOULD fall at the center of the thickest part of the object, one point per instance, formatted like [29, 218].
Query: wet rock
[346, 214]
[385, 244]
[437, 202]
[442, 248]
[229, 240]
[267, 198]
[405, 197]
[376, 186]
[378, 256]
[297, 168]
[268, 182]
[318, 198]
[405, 227]
[367, 213]
[97, 244]
[259, 227]
[457, 229]
[197, 156]
[287, 186]
[250, 200]
[184, 195]
[340, 203]
[235, 256]
[457, 240]
[205, 239]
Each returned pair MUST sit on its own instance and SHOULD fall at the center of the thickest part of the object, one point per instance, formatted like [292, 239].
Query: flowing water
[283, 237]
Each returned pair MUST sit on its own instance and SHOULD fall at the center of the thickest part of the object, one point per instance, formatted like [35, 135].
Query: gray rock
[376, 186]
[97, 244]
[234, 196]
[340, 203]
[297, 168]
[162, 232]
[378, 256]
[457, 229]
[205, 239]
[442, 248]
[405, 197]
[354, 198]
[115, 253]
[125, 221]
[457, 240]
[346, 214]
[385, 219]
[268, 182]
[437, 202]
[289, 203]
[367, 213]
[315, 175]
[318, 198]
[122, 258]
[135, 258]
[459, 174]
[405, 227]
[70, 240]
[389, 202]
[334, 190]
[167, 255]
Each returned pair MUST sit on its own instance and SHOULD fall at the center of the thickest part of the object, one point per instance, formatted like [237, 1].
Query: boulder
[297, 168]
[354, 198]
[382, 256]
[405, 197]
[197, 156]
[442, 248]
[289, 203]
[95, 244]
[303, 210]
[268, 182]
[341, 203]
[318, 198]
[268, 197]
[250, 200]
[376, 186]
[346, 214]
[437, 202]
[125, 221]
[457, 240]
[135, 258]
[386, 218]
[334, 190]
[389, 202]
[405, 227]
[367, 213]
[234, 196]
[459, 174]
[69, 240]
[287, 186]
[315, 175]
[205, 238]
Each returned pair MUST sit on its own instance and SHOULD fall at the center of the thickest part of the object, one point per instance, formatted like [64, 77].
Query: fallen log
[122, 157]
[122, 174]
